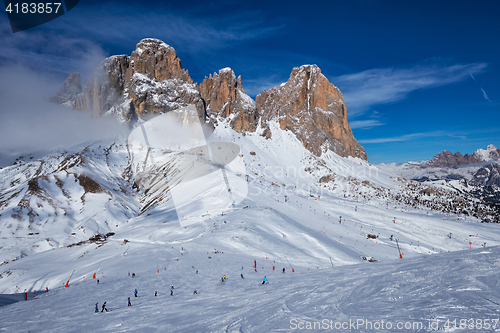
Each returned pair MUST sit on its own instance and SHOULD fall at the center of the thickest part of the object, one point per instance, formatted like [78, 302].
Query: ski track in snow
[456, 285]
[438, 278]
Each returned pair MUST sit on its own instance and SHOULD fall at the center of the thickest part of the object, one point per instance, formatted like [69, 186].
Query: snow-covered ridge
[66, 198]
[490, 153]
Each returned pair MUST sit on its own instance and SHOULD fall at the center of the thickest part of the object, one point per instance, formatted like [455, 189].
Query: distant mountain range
[478, 173]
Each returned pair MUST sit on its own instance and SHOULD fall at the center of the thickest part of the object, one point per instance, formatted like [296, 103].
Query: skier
[133, 275]
[264, 280]
[195, 292]
[156, 293]
[96, 309]
[97, 281]
[242, 275]
[129, 304]
[283, 269]
[172, 287]
[135, 293]
[104, 307]
[171, 292]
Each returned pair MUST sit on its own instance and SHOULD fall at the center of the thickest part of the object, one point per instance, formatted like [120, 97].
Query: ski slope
[289, 218]
[425, 290]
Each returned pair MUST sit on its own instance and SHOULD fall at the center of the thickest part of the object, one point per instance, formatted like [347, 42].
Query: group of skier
[223, 279]
[103, 307]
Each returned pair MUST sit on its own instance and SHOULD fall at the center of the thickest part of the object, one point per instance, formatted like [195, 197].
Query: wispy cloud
[484, 92]
[485, 95]
[134, 21]
[386, 85]
[30, 123]
[411, 137]
[365, 124]
[72, 41]
[48, 52]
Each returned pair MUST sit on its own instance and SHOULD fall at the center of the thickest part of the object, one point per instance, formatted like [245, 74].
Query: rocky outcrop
[156, 82]
[225, 98]
[448, 159]
[105, 87]
[71, 88]
[313, 109]
[488, 175]
[156, 60]
[151, 80]
[489, 153]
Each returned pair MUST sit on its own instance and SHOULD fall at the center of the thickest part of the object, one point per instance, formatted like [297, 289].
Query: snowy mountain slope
[422, 293]
[477, 175]
[64, 198]
[304, 230]
[446, 165]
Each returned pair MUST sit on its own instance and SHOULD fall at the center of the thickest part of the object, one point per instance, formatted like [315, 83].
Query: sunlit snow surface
[331, 280]
[428, 289]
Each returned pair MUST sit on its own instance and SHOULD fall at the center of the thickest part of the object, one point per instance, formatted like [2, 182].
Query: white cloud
[386, 85]
[486, 96]
[411, 137]
[365, 124]
[29, 123]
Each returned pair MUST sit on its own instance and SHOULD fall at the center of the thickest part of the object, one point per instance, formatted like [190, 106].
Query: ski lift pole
[400, 255]
[293, 270]
[67, 282]
[71, 275]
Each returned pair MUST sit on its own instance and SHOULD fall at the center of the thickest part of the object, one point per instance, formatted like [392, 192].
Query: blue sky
[418, 77]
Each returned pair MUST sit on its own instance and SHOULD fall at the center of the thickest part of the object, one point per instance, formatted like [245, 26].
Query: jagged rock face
[448, 159]
[313, 109]
[156, 60]
[156, 81]
[490, 153]
[69, 90]
[152, 81]
[225, 98]
[105, 87]
[488, 175]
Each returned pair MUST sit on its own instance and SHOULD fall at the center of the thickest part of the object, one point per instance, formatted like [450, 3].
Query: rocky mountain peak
[105, 86]
[69, 90]
[448, 159]
[225, 98]
[156, 60]
[313, 109]
[151, 80]
[489, 153]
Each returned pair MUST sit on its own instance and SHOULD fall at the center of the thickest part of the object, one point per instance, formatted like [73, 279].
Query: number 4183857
[33, 8]
[472, 324]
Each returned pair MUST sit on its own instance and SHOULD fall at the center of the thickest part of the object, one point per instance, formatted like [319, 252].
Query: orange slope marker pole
[94, 276]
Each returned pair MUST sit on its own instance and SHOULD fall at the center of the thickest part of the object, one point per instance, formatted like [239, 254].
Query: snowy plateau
[363, 249]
